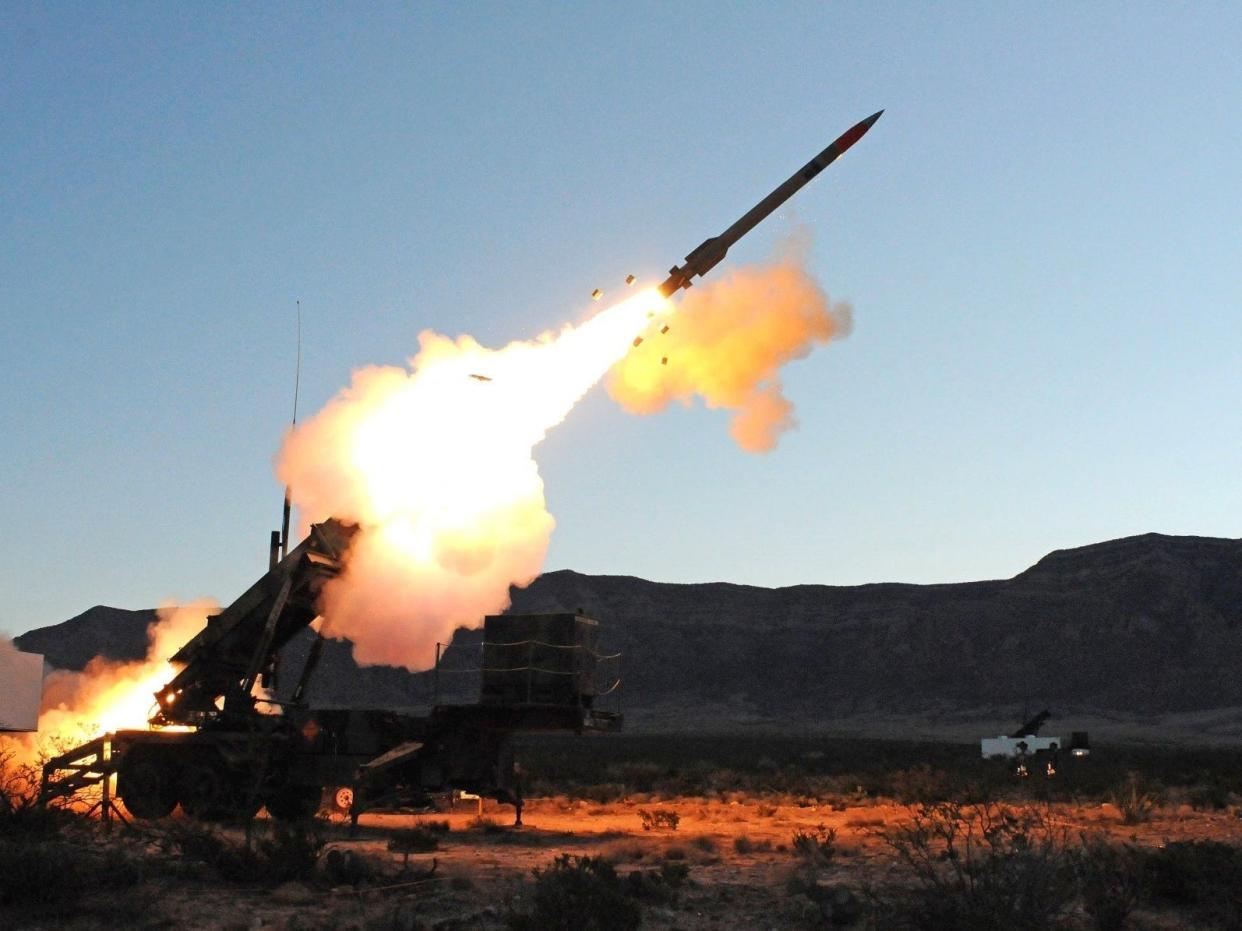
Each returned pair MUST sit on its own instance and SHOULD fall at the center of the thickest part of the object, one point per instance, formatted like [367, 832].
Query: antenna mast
[297, 382]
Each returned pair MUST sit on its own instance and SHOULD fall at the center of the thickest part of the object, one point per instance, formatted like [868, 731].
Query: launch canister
[709, 253]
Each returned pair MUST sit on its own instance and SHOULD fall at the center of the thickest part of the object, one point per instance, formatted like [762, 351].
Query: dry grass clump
[1137, 798]
[745, 845]
[655, 818]
[816, 848]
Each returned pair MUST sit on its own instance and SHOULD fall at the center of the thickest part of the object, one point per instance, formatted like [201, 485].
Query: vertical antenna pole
[297, 382]
[436, 699]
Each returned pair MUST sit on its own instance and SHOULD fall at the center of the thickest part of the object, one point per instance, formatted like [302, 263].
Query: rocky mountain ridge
[1148, 625]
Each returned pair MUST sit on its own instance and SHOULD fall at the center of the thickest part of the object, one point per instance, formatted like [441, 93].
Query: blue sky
[1040, 240]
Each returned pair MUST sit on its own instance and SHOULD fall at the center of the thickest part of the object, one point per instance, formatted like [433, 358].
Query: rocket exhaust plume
[435, 464]
[727, 345]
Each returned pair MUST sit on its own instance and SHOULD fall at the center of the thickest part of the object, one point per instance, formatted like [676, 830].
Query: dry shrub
[412, 840]
[816, 848]
[578, 894]
[744, 845]
[486, 825]
[287, 851]
[980, 867]
[1136, 798]
[1204, 877]
[1109, 882]
[660, 886]
[659, 818]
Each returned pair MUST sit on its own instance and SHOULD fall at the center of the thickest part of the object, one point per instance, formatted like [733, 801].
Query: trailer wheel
[343, 799]
[146, 783]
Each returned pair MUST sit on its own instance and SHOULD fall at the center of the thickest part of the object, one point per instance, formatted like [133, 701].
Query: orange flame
[108, 696]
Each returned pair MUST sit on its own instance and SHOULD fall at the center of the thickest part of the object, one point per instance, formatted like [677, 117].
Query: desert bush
[660, 886]
[438, 827]
[1202, 876]
[412, 840]
[285, 852]
[347, 868]
[743, 844]
[659, 818]
[980, 866]
[1212, 796]
[60, 875]
[766, 811]
[1109, 881]
[578, 894]
[706, 842]
[21, 814]
[486, 825]
[290, 851]
[1136, 798]
[815, 848]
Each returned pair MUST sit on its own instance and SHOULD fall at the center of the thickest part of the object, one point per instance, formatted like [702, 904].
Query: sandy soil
[482, 869]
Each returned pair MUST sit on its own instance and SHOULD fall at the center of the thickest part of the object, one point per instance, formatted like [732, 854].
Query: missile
[703, 259]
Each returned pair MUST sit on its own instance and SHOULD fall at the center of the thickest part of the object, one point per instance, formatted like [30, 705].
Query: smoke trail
[435, 463]
[727, 343]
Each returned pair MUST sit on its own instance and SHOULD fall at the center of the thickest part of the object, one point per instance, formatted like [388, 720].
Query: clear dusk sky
[1042, 241]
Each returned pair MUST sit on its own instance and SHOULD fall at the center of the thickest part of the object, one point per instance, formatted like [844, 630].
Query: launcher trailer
[220, 748]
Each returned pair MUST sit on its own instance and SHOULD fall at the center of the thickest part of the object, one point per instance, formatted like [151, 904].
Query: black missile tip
[870, 121]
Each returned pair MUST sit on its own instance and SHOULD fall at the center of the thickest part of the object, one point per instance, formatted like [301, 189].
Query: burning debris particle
[630, 279]
[480, 377]
[664, 360]
[664, 329]
[596, 294]
[638, 341]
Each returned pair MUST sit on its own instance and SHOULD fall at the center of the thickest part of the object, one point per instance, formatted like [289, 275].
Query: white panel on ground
[21, 689]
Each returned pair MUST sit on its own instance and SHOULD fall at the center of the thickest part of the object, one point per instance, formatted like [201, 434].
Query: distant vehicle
[1027, 742]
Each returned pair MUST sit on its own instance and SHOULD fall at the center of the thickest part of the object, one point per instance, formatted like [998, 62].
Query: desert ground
[1144, 854]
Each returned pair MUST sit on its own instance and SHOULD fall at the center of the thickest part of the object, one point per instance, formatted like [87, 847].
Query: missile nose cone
[870, 121]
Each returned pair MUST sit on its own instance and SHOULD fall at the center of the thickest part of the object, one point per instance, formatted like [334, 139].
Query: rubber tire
[146, 783]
